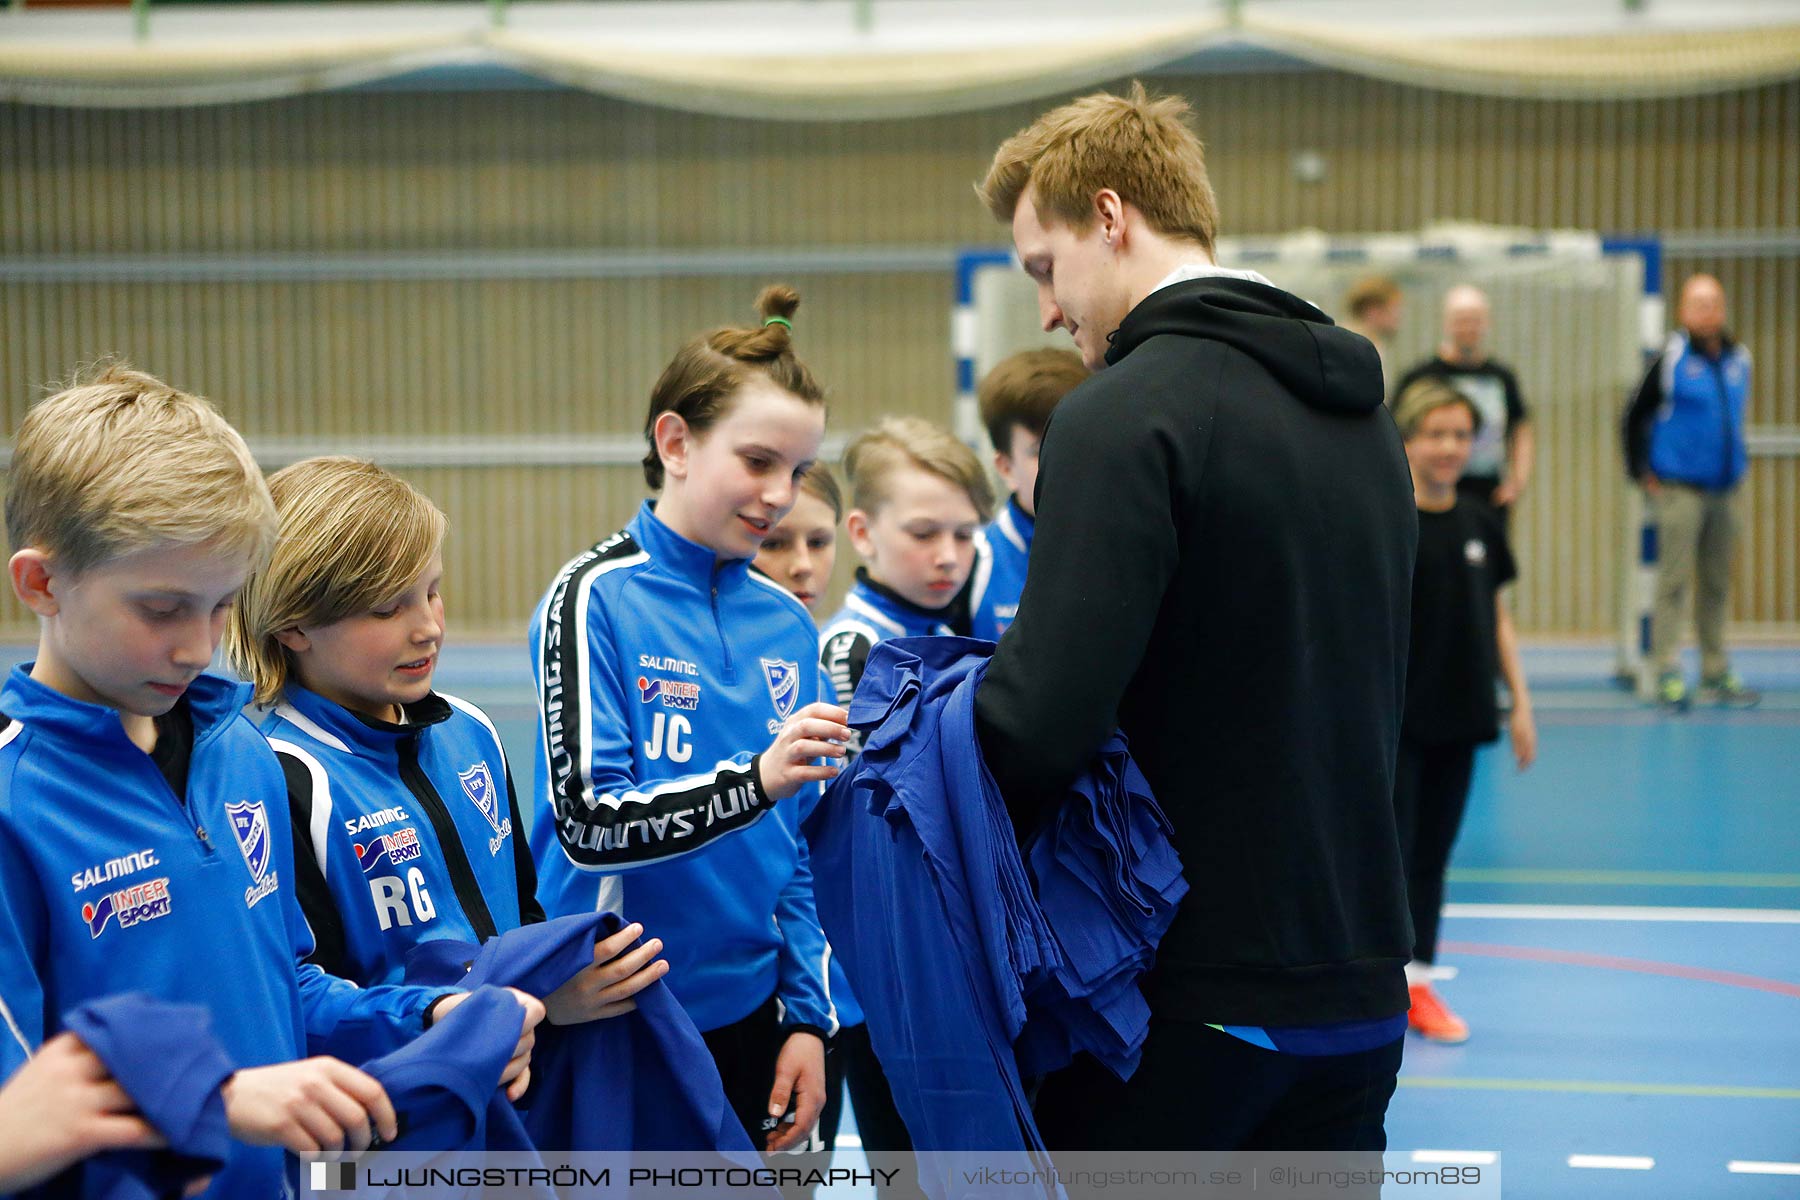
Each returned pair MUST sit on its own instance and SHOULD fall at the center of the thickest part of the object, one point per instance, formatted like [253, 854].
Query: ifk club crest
[478, 785]
[784, 685]
[250, 826]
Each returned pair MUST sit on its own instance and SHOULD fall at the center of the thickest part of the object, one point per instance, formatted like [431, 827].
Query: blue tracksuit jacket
[660, 672]
[402, 832]
[999, 577]
[111, 882]
[1686, 423]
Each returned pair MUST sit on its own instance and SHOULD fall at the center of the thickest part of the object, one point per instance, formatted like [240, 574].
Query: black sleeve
[1502, 567]
[1640, 414]
[530, 911]
[844, 655]
[1112, 470]
[1516, 411]
[316, 904]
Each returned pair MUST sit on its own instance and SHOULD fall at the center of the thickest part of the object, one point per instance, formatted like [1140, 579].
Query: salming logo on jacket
[999, 578]
[660, 672]
[1686, 423]
[112, 883]
[872, 613]
[403, 833]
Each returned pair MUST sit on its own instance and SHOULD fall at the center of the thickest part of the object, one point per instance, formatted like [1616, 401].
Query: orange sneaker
[1431, 1019]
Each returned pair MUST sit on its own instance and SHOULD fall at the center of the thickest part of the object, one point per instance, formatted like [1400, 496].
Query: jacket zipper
[1718, 371]
[183, 807]
[719, 627]
[456, 859]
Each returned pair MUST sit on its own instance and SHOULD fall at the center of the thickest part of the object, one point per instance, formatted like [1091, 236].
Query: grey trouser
[1695, 532]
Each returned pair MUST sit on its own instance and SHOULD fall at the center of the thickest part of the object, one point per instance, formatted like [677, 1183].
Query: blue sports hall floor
[1622, 935]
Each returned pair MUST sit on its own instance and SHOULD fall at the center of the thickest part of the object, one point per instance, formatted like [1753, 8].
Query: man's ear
[294, 640]
[673, 441]
[1109, 213]
[35, 581]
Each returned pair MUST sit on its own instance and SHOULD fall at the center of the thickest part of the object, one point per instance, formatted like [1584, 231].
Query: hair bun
[777, 300]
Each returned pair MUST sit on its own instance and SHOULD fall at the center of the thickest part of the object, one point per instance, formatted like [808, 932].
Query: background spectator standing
[1374, 303]
[1501, 461]
[1684, 442]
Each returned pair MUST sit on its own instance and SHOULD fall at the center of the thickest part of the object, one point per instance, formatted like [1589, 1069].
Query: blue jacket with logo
[1686, 423]
[403, 833]
[111, 883]
[999, 580]
[660, 672]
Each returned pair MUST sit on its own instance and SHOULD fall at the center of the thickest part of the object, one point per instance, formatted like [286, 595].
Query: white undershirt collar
[1205, 270]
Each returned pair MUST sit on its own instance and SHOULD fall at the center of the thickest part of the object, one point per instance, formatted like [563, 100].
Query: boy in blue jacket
[143, 822]
[406, 825]
[663, 663]
[918, 497]
[1016, 398]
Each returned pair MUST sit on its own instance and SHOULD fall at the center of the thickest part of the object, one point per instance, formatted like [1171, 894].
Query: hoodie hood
[1321, 364]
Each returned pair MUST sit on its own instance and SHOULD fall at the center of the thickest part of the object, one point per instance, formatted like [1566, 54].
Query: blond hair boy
[135, 513]
[918, 498]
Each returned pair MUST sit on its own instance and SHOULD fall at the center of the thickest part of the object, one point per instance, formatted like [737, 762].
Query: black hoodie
[1223, 569]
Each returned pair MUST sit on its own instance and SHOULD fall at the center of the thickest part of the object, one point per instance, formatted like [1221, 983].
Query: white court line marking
[1624, 912]
[1738, 1167]
[1437, 974]
[848, 1139]
[1612, 1162]
[1457, 1158]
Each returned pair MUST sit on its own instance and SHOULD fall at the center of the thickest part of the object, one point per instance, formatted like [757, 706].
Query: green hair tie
[768, 321]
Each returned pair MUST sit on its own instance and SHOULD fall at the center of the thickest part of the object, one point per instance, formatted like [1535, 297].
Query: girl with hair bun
[680, 717]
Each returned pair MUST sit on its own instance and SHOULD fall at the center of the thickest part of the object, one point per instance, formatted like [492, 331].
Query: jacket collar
[678, 556]
[330, 722]
[893, 613]
[214, 703]
[1727, 344]
[1016, 525]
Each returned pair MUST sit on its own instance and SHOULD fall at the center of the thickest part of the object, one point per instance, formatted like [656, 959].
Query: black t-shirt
[174, 748]
[1463, 562]
[1494, 391]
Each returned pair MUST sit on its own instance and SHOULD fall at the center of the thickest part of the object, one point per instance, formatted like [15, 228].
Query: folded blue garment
[445, 1083]
[167, 1060]
[976, 964]
[642, 1081]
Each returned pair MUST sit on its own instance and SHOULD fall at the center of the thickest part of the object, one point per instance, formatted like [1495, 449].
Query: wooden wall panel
[392, 173]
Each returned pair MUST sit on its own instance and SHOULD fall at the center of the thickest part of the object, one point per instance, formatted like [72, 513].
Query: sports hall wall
[479, 287]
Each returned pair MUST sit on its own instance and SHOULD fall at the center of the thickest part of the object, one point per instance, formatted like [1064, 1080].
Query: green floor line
[1600, 1087]
[1717, 879]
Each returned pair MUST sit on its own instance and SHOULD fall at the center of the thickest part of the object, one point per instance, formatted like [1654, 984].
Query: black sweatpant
[745, 1053]
[877, 1119]
[1431, 792]
[1198, 1088]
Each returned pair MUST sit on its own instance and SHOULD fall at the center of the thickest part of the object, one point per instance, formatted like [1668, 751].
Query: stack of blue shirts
[977, 965]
